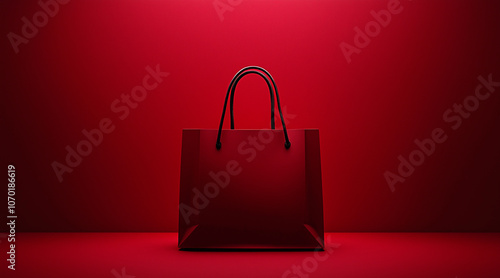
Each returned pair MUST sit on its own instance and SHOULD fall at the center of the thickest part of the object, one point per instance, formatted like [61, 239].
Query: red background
[368, 111]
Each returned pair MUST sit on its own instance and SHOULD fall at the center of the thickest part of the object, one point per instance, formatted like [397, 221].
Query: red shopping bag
[251, 188]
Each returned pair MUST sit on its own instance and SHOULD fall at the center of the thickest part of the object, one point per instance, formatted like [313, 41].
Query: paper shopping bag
[249, 189]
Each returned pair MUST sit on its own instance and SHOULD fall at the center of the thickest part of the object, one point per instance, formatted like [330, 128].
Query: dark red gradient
[368, 112]
[127, 255]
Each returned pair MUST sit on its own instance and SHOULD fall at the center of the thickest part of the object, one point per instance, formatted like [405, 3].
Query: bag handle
[232, 87]
[235, 80]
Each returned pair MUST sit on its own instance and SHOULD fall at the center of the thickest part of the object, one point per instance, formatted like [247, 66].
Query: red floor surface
[127, 255]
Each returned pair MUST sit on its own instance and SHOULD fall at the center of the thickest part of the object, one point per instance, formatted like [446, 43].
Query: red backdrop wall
[371, 92]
